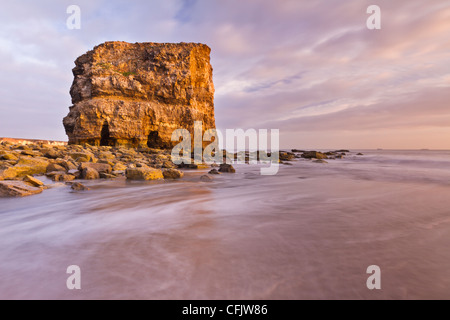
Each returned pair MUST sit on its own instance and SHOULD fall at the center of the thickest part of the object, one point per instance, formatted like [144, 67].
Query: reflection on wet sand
[309, 232]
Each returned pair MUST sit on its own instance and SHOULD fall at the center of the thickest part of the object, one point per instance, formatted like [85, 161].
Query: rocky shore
[21, 164]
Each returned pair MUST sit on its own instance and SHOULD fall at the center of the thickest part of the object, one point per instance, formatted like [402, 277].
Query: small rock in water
[172, 174]
[314, 154]
[188, 166]
[214, 171]
[359, 154]
[227, 168]
[78, 186]
[320, 161]
[206, 178]
[286, 156]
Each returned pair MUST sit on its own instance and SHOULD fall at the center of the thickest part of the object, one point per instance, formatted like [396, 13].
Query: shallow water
[309, 232]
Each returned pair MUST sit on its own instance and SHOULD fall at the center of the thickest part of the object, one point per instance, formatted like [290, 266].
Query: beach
[308, 232]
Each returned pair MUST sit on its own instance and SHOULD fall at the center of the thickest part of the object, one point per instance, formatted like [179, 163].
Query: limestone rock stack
[132, 95]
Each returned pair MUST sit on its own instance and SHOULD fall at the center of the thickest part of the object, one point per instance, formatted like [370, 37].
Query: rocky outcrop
[134, 95]
[32, 141]
[18, 173]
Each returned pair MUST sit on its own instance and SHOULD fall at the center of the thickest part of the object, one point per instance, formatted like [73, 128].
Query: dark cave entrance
[105, 138]
[154, 140]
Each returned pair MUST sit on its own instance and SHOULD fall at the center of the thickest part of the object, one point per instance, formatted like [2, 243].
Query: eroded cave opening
[154, 140]
[105, 138]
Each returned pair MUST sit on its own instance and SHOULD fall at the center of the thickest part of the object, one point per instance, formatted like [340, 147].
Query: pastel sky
[309, 68]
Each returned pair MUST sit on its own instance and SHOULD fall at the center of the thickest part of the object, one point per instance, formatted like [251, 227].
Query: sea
[311, 231]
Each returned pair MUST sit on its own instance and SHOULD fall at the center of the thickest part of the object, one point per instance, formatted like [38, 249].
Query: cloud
[309, 68]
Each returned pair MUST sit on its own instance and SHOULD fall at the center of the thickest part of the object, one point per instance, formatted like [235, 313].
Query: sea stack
[136, 94]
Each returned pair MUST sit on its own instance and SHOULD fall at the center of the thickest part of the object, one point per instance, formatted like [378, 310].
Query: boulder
[78, 186]
[22, 147]
[106, 155]
[168, 164]
[342, 150]
[33, 181]
[104, 175]
[187, 166]
[17, 189]
[55, 167]
[314, 155]
[68, 165]
[224, 167]
[30, 153]
[50, 153]
[89, 173]
[206, 178]
[8, 156]
[119, 167]
[286, 156]
[26, 166]
[61, 177]
[144, 173]
[82, 156]
[172, 174]
[214, 171]
[99, 167]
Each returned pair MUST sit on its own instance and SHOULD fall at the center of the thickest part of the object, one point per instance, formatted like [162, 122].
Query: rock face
[137, 94]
